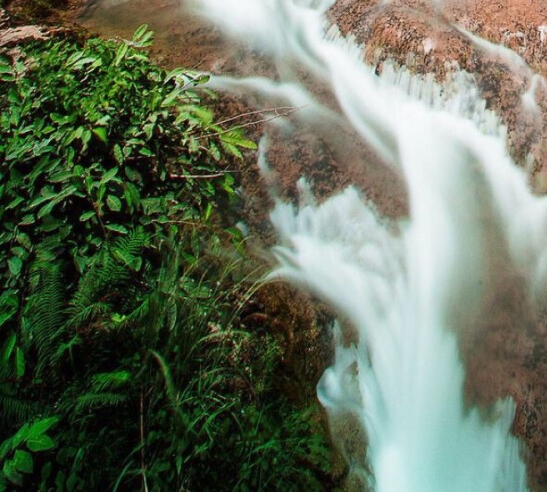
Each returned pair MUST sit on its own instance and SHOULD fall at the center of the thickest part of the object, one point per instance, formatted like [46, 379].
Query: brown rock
[13, 36]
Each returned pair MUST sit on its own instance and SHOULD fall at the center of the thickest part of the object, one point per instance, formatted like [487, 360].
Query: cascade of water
[408, 287]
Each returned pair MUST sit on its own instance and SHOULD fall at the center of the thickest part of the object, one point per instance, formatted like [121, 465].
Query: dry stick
[199, 176]
[250, 123]
[250, 113]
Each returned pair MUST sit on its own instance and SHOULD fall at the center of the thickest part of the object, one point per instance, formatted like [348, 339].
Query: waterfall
[408, 287]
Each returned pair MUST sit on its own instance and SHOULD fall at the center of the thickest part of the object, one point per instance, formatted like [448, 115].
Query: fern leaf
[16, 410]
[44, 313]
[93, 401]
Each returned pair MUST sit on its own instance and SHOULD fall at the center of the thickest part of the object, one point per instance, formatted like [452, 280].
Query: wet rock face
[432, 40]
[12, 36]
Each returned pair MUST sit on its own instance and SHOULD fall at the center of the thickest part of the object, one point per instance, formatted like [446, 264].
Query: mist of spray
[408, 287]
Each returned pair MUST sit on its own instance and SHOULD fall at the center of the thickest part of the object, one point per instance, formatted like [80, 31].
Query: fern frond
[44, 312]
[16, 410]
[128, 249]
[109, 284]
[109, 381]
[86, 314]
[98, 281]
[94, 401]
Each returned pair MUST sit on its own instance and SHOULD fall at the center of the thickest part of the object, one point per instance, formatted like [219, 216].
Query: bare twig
[289, 111]
[258, 111]
[199, 176]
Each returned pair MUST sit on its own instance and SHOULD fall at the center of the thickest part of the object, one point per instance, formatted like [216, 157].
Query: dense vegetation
[124, 362]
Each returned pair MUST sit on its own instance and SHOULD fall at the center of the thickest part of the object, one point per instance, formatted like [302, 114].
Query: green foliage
[99, 134]
[16, 452]
[123, 362]
[152, 388]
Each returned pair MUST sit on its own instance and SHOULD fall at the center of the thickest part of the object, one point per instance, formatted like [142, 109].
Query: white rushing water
[408, 287]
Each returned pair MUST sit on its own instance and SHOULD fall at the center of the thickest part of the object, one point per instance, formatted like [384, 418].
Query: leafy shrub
[100, 135]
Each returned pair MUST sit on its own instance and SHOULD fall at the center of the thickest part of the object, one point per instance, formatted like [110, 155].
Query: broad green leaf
[7, 77]
[5, 69]
[84, 61]
[20, 436]
[171, 98]
[19, 251]
[27, 220]
[132, 175]
[117, 228]
[177, 73]
[9, 303]
[46, 194]
[19, 363]
[45, 472]
[204, 115]
[14, 203]
[40, 443]
[146, 152]
[60, 480]
[151, 205]
[122, 50]
[109, 175]
[113, 203]
[24, 240]
[22, 460]
[132, 197]
[142, 38]
[247, 144]
[140, 31]
[43, 425]
[149, 130]
[80, 262]
[87, 215]
[51, 224]
[208, 211]
[11, 473]
[78, 171]
[15, 265]
[231, 149]
[46, 209]
[118, 154]
[101, 133]
[86, 137]
[9, 348]
[60, 176]
[62, 119]
[5, 448]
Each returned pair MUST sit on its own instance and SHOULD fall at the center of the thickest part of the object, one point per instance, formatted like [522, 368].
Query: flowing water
[406, 289]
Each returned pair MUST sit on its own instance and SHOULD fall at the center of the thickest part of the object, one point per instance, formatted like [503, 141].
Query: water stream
[409, 288]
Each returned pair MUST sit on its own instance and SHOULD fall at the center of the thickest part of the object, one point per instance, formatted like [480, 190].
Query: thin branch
[250, 123]
[258, 111]
[199, 176]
